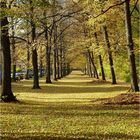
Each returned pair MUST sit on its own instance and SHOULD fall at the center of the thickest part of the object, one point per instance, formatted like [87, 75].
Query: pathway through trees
[74, 87]
[65, 110]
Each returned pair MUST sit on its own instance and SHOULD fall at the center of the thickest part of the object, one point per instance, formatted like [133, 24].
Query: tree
[13, 50]
[48, 55]
[27, 56]
[109, 55]
[34, 51]
[91, 60]
[55, 52]
[100, 57]
[130, 46]
[6, 92]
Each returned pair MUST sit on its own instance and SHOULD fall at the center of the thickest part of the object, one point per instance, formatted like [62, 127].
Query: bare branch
[137, 10]
[112, 6]
[20, 38]
[134, 7]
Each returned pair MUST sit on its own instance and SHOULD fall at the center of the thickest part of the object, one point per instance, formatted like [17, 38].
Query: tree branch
[20, 38]
[134, 7]
[112, 6]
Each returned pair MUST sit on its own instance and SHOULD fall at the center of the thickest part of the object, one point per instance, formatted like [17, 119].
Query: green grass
[64, 110]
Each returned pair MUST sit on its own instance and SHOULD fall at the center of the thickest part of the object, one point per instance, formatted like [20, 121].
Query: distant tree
[100, 57]
[109, 55]
[27, 56]
[48, 55]
[55, 52]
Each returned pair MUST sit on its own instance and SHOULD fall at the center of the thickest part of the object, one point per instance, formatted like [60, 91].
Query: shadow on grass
[67, 110]
[64, 89]
[93, 136]
[70, 84]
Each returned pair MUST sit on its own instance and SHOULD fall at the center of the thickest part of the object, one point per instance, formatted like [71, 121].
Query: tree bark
[41, 63]
[130, 44]
[100, 58]
[54, 29]
[48, 59]
[28, 56]
[13, 52]
[61, 56]
[35, 66]
[48, 67]
[35, 69]
[6, 92]
[54, 64]
[34, 52]
[64, 62]
[28, 62]
[89, 65]
[41, 68]
[109, 55]
[94, 66]
[92, 62]
[48, 52]
[54, 43]
[58, 63]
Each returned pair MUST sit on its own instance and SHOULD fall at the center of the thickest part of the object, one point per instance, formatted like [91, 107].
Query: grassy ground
[64, 110]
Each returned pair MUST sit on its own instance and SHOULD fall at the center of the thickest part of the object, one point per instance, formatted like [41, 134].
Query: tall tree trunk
[48, 59]
[94, 66]
[89, 66]
[100, 57]
[6, 92]
[61, 62]
[90, 54]
[54, 43]
[28, 62]
[35, 69]
[64, 68]
[109, 55]
[28, 56]
[58, 63]
[41, 68]
[48, 52]
[13, 52]
[34, 51]
[64, 62]
[48, 67]
[131, 55]
[41, 63]
[54, 64]
[61, 56]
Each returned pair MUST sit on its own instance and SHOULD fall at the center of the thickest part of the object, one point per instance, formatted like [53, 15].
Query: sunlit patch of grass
[70, 87]
[65, 111]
